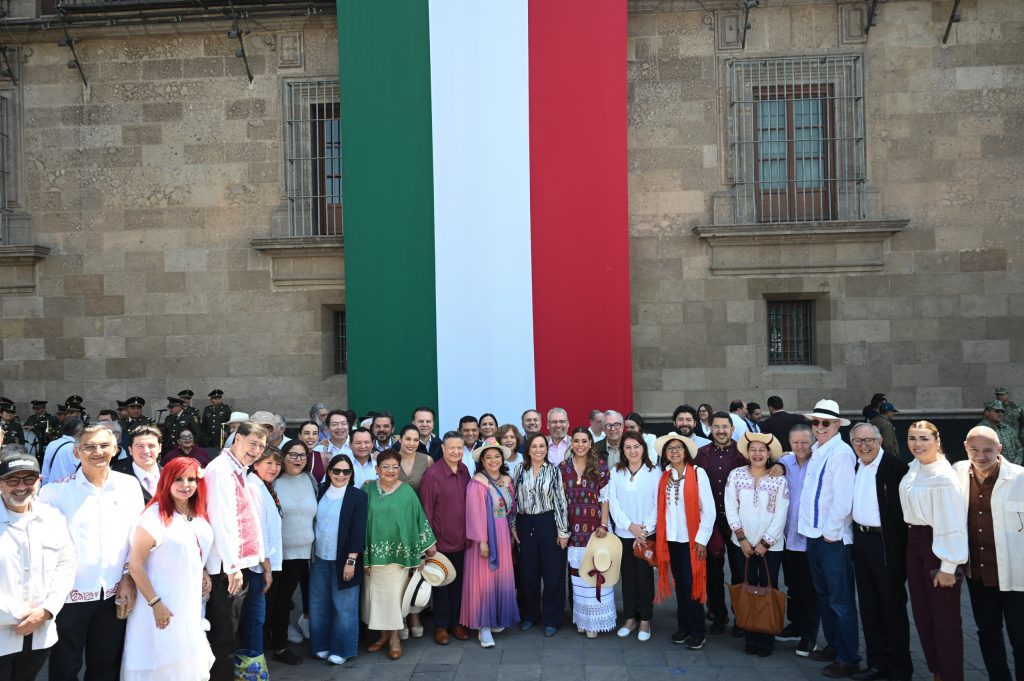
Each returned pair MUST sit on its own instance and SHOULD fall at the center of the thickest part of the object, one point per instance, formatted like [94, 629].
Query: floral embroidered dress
[489, 584]
[584, 497]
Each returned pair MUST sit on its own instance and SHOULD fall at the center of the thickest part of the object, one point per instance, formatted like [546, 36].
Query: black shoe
[787, 634]
[750, 649]
[694, 642]
[805, 648]
[716, 629]
[761, 652]
[870, 674]
[680, 637]
[838, 670]
[826, 654]
[287, 656]
[737, 632]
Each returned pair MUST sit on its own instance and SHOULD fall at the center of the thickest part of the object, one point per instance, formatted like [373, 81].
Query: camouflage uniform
[1012, 449]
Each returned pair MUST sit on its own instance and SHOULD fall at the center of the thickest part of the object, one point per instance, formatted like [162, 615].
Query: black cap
[121, 404]
[135, 402]
[18, 463]
[9, 406]
[71, 407]
[4, 400]
[186, 393]
[216, 392]
[878, 396]
[61, 409]
[74, 399]
[38, 404]
[173, 402]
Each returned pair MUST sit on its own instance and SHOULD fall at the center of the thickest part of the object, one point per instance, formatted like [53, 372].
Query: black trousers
[222, 637]
[716, 573]
[802, 606]
[23, 666]
[689, 613]
[882, 598]
[637, 583]
[91, 628]
[448, 599]
[541, 559]
[991, 608]
[279, 600]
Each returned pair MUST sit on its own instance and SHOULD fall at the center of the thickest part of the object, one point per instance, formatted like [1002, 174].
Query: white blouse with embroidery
[760, 510]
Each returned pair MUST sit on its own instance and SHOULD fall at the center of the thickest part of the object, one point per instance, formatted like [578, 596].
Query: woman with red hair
[166, 639]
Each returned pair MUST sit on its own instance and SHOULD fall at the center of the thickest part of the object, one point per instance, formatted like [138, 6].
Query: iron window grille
[790, 332]
[313, 158]
[5, 166]
[340, 343]
[797, 140]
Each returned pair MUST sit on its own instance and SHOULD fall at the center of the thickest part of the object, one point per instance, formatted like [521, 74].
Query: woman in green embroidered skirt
[397, 537]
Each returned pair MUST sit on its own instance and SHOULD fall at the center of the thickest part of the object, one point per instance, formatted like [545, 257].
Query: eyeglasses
[612, 426]
[28, 480]
[823, 423]
[389, 468]
[185, 438]
[296, 456]
[341, 471]
[858, 441]
[675, 448]
[92, 449]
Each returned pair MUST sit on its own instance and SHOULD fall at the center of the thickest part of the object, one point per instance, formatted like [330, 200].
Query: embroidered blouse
[760, 509]
[584, 496]
[397, 530]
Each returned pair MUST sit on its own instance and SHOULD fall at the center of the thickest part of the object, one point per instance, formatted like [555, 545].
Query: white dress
[179, 652]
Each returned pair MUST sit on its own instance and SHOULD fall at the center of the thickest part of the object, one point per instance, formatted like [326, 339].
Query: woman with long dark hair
[166, 641]
[704, 414]
[585, 479]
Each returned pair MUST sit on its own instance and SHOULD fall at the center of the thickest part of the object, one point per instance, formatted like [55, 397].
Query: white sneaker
[643, 636]
[323, 654]
[303, 625]
[486, 640]
[294, 635]
[336, 659]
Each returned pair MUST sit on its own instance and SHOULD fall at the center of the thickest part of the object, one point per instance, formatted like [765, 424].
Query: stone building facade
[865, 193]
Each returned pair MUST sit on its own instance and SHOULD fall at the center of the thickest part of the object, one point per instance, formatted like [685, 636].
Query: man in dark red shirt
[718, 459]
[443, 495]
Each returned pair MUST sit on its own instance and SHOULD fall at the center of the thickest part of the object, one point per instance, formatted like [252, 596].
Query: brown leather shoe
[441, 637]
[377, 645]
[395, 652]
[459, 632]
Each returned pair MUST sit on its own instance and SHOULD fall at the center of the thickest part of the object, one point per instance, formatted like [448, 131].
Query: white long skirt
[588, 613]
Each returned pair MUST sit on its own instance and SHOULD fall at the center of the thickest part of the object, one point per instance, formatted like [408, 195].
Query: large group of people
[152, 563]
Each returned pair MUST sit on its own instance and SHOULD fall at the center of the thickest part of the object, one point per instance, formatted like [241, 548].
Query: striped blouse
[540, 494]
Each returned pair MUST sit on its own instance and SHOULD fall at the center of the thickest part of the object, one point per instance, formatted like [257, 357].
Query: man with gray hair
[879, 557]
[558, 435]
[32, 598]
[994, 493]
[610, 448]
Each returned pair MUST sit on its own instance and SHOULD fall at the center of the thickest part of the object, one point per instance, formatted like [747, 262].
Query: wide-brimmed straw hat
[438, 570]
[491, 443]
[691, 446]
[774, 446]
[417, 594]
[603, 556]
[827, 409]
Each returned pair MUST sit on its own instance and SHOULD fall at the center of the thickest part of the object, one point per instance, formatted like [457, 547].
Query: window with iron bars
[312, 137]
[790, 332]
[796, 139]
[5, 166]
[340, 343]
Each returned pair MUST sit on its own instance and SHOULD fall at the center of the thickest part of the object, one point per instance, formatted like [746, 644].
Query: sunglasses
[824, 423]
[341, 471]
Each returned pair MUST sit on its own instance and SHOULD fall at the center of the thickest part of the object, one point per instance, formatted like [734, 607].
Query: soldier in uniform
[1013, 414]
[134, 419]
[176, 422]
[214, 417]
[9, 423]
[43, 424]
[994, 415]
[76, 401]
[187, 409]
[122, 410]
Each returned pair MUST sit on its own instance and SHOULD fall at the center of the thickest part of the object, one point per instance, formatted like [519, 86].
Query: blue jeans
[252, 617]
[333, 612]
[832, 573]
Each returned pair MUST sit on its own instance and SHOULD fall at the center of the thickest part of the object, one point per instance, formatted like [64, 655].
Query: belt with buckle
[866, 528]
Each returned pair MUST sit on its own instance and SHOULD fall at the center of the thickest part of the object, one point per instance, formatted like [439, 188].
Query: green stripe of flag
[387, 178]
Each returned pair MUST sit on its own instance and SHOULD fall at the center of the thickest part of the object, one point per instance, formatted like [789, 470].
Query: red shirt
[443, 495]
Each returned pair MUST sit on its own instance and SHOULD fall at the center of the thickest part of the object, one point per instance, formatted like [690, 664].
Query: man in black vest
[879, 557]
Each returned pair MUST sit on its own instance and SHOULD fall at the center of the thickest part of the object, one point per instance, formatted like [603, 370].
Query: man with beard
[383, 428]
[558, 435]
[32, 597]
[684, 418]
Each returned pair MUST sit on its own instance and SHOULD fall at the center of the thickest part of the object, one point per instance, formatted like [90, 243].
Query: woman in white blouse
[756, 506]
[633, 504]
[934, 508]
[686, 516]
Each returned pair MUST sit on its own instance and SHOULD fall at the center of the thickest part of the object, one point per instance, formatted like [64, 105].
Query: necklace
[672, 489]
[383, 492]
[186, 513]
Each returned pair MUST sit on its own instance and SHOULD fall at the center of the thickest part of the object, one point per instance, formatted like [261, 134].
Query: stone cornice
[660, 6]
[304, 262]
[18, 267]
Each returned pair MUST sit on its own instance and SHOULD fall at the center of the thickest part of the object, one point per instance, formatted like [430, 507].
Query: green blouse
[397, 530]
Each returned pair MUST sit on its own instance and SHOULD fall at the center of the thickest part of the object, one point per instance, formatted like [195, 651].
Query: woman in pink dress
[489, 587]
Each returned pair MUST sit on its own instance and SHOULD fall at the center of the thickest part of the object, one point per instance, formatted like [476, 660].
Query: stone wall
[941, 320]
[148, 186]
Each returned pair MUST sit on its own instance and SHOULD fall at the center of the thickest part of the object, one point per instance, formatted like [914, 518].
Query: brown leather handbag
[761, 609]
